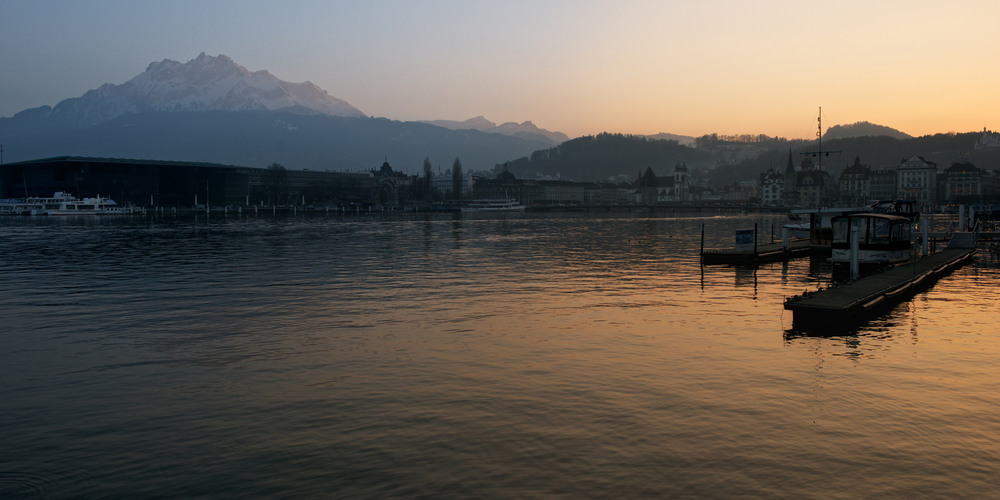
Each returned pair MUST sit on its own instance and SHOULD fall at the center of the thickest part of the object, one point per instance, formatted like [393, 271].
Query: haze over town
[580, 67]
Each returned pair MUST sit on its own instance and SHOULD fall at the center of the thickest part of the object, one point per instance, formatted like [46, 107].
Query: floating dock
[768, 252]
[848, 305]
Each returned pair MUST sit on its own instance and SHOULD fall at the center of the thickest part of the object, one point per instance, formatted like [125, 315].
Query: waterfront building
[883, 184]
[790, 193]
[772, 186]
[855, 183]
[506, 186]
[443, 183]
[682, 187]
[563, 192]
[390, 186]
[154, 183]
[917, 180]
[963, 183]
[810, 184]
[615, 193]
[651, 189]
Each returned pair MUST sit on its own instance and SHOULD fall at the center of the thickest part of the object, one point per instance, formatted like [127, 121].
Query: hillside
[211, 109]
[607, 156]
[863, 129]
[259, 138]
[879, 152]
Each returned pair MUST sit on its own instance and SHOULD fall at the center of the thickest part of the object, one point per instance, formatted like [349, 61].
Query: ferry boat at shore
[493, 205]
[62, 203]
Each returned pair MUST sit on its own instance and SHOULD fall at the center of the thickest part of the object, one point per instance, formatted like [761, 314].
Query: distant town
[802, 182]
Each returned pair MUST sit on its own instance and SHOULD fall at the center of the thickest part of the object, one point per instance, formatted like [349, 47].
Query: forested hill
[863, 129]
[607, 157]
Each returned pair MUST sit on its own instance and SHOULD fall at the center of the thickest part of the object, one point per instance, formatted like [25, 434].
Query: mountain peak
[205, 83]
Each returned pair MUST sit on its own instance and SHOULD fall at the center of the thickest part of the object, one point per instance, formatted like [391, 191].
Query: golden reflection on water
[523, 356]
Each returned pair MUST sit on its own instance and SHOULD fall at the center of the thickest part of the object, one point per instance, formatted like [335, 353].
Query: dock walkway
[768, 252]
[847, 305]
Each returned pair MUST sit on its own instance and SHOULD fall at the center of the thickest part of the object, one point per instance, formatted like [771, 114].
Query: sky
[581, 67]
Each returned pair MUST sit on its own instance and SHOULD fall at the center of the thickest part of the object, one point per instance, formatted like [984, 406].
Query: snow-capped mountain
[211, 109]
[205, 83]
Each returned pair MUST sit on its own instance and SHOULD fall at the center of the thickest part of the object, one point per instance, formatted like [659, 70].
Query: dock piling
[701, 252]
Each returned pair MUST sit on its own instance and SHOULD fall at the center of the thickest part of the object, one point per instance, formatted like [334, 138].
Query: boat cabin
[883, 241]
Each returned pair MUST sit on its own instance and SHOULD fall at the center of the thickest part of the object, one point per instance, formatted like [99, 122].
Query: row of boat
[62, 203]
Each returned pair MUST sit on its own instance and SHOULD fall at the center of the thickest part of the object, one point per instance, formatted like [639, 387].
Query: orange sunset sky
[579, 67]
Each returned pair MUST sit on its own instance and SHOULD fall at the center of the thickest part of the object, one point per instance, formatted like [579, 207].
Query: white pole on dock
[855, 261]
[961, 218]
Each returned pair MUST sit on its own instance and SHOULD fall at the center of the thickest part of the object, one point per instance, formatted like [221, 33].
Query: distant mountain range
[481, 124]
[213, 110]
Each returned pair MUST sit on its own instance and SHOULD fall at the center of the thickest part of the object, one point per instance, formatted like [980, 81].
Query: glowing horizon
[580, 68]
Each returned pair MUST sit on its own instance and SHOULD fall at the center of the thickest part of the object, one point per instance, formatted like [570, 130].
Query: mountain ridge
[205, 83]
[482, 124]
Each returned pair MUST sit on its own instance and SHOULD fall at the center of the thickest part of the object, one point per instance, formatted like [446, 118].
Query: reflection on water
[442, 355]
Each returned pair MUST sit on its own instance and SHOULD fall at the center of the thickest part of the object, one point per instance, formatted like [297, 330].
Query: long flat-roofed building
[184, 184]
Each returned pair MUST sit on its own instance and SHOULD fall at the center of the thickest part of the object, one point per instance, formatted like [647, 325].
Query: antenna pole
[819, 137]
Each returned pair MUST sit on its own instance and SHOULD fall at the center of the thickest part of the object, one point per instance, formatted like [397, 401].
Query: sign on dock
[745, 240]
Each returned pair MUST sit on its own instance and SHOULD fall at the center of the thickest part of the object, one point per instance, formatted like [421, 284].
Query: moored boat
[62, 203]
[494, 205]
[883, 240]
[796, 226]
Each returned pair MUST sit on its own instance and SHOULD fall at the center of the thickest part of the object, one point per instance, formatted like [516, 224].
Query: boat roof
[829, 210]
[871, 215]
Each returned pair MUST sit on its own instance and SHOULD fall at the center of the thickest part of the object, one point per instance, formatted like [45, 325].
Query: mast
[819, 138]
[820, 153]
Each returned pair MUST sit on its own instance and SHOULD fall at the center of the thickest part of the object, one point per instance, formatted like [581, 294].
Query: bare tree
[427, 178]
[456, 179]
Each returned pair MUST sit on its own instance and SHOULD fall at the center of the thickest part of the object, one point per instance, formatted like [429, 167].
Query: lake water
[438, 355]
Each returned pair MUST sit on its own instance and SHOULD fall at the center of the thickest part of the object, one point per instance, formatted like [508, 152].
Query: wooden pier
[768, 252]
[844, 306]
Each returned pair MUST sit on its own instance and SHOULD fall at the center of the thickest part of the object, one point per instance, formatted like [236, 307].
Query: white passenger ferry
[61, 203]
[495, 205]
